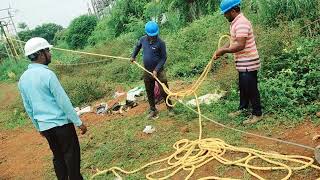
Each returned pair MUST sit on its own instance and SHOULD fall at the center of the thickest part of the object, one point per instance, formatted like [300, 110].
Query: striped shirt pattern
[248, 58]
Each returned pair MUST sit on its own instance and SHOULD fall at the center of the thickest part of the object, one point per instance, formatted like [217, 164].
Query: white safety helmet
[35, 44]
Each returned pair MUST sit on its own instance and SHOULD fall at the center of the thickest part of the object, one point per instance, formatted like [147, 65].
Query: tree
[79, 31]
[46, 31]
[23, 26]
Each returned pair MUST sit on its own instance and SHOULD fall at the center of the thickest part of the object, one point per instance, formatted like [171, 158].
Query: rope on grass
[193, 154]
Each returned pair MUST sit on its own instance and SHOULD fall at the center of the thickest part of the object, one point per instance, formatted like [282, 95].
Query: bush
[46, 31]
[81, 91]
[292, 79]
[79, 31]
[11, 70]
[191, 48]
[122, 13]
[103, 32]
[273, 12]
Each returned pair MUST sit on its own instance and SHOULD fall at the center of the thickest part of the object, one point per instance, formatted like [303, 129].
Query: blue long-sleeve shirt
[44, 99]
[154, 54]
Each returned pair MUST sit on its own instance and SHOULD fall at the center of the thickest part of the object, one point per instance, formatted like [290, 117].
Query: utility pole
[11, 42]
[5, 45]
[16, 32]
[13, 52]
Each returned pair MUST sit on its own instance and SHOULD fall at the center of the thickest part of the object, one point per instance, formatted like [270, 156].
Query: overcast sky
[37, 12]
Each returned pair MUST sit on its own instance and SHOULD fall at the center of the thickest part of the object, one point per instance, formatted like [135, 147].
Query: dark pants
[249, 93]
[64, 144]
[149, 83]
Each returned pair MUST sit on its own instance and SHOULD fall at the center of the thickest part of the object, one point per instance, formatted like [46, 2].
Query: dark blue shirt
[154, 54]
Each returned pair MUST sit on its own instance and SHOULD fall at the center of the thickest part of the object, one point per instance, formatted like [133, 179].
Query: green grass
[119, 142]
[12, 114]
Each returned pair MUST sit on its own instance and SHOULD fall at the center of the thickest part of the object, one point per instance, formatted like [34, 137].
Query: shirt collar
[236, 18]
[35, 65]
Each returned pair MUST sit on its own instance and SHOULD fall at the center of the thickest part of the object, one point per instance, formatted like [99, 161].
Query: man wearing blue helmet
[154, 58]
[243, 46]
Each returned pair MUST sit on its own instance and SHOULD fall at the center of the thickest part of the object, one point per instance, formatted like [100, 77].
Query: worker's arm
[241, 34]
[227, 45]
[238, 45]
[163, 55]
[136, 50]
[28, 108]
[63, 100]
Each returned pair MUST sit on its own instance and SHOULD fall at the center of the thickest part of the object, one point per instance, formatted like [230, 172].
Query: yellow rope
[193, 154]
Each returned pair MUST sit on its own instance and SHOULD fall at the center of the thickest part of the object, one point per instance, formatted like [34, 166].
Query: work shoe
[153, 114]
[171, 112]
[252, 119]
[235, 114]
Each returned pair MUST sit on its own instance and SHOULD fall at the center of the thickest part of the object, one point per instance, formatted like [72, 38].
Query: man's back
[43, 96]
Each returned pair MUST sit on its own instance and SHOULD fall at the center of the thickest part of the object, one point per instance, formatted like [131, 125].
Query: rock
[185, 129]
[317, 153]
[318, 114]
[316, 137]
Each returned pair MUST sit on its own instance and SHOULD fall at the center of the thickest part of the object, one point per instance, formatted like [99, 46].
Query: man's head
[152, 30]
[38, 50]
[230, 9]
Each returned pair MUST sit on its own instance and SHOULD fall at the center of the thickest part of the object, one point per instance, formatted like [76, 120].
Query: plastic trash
[136, 92]
[77, 109]
[206, 99]
[118, 94]
[149, 129]
[157, 92]
[102, 108]
[84, 110]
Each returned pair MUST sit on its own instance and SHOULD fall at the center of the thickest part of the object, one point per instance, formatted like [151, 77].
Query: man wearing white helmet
[50, 110]
[243, 46]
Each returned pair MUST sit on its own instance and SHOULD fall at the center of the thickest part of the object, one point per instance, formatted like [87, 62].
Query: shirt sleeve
[163, 54]
[63, 100]
[28, 108]
[137, 49]
[242, 30]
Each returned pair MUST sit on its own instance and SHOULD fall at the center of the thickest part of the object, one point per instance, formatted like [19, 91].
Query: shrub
[83, 91]
[292, 79]
[79, 31]
[273, 12]
[11, 70]
[46, 31]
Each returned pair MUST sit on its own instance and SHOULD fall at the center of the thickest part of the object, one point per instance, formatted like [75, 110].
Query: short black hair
[34, 56]
[237, 9]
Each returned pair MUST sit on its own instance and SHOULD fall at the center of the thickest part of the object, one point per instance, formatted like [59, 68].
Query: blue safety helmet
[226, 5]
[152, 28]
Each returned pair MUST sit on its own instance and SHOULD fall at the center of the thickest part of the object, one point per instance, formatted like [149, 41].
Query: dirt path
[8, 94]
[23, 155]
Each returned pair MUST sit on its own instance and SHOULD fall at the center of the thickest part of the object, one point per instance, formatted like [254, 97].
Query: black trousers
[249, 93]
[64, 144]
[149, 84]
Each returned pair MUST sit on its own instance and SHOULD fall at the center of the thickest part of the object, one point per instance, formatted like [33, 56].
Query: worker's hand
[132, 60]
[218, 54]
[83, 128]
[154, 73]
[42, 134]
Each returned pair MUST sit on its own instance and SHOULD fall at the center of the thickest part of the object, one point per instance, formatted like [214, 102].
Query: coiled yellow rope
[190, 155]
[193, 154]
